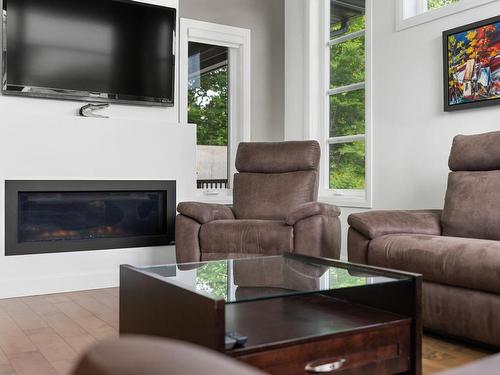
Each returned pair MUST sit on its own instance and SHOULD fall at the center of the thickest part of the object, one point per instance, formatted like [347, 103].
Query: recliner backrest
[472, 203]
[274, 178]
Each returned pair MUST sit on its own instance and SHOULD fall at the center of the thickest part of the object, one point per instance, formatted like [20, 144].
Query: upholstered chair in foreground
[457, 249]
[137, 355]
[274, 209]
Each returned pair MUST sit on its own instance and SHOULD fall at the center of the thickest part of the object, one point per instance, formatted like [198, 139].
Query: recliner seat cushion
[272, 196]
[461, 262]
[472, 205]
[266, 237]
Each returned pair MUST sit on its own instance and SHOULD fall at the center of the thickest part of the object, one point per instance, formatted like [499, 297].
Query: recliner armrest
[375, 224]
[204, 212]
[311, 209]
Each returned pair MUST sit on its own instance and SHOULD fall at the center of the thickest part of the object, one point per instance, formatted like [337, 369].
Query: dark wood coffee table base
[357, 338]
[370, 329]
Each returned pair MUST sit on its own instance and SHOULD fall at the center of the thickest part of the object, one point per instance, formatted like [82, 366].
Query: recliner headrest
[277, 157]
[480, 152]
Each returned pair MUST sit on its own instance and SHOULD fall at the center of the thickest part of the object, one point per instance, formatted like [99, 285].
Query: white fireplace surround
[52, 147]
[46, 140]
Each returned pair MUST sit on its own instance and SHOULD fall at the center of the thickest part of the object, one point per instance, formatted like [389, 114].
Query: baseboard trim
[59, 284]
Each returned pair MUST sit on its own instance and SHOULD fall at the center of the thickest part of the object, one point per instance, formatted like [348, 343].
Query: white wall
[45, 139]
[59, 147]
[265, 19]
[411, 134]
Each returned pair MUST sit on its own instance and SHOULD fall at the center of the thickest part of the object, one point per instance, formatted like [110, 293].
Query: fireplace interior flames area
[56, 216]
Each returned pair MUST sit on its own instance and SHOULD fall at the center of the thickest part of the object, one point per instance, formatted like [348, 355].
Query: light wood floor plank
[13, 340]
[81, 343]
[52, 346]
[87, 320]
[63, 367]
[33, 363]
[7, 370]
[40, 305]
[45, 335]
[99, 309]
[109, 299]
[25, 318]
[64, 325]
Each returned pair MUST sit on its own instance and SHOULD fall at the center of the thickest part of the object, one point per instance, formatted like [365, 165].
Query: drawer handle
[317, 367]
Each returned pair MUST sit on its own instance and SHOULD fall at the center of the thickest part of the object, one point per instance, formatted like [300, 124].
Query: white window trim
[238, 41]
[345, 198]
[431, 15]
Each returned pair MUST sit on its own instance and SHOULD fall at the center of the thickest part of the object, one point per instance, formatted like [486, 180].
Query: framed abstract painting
[472, 65]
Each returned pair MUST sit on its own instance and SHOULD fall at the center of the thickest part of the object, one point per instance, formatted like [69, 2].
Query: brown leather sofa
[457, 249]
[136, 355]
[274, 209]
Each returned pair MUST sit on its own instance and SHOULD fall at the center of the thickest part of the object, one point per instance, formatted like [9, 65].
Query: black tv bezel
[446, 34]
[86, 96]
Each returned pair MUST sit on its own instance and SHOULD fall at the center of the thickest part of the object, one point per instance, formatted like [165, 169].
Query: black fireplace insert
[60, 216]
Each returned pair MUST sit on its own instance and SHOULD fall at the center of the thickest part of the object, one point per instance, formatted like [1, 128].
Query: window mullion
[345, 38]
[346, 139]
[347, 88]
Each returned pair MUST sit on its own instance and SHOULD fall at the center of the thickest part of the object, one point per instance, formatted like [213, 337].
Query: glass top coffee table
[299, 314]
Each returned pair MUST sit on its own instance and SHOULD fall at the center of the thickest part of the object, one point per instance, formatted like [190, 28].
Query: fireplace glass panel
[55, 216]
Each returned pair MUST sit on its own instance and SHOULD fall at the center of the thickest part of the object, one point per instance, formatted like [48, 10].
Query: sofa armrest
[311, 209]
[205, 212]
[373, 224]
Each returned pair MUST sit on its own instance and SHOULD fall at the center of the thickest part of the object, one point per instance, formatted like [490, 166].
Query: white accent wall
[411, 134]
[46, 139]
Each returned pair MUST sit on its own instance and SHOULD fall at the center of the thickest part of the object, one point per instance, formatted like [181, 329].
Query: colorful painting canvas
[472, 65]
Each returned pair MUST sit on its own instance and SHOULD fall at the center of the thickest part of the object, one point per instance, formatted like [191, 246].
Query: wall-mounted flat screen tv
[92, 50]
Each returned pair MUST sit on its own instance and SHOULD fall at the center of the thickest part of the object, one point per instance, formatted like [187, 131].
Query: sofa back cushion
[479, 152]
[472, 203]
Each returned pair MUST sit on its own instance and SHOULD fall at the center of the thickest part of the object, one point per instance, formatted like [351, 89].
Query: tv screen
[93, 50]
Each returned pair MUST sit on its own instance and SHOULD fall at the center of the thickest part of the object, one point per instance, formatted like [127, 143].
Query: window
[434, 4]
[415, 12]
[413, 8]
[347, 104]
[208, 108]
[214, 70]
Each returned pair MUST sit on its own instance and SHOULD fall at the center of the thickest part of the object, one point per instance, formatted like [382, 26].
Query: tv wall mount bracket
[89, 109]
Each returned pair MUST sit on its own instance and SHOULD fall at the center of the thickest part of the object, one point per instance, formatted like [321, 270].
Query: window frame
[406, 18]
[346, 197]
[238, 42]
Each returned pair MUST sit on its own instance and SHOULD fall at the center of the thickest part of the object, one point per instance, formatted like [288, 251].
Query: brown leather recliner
[274, 209]
[457, 249]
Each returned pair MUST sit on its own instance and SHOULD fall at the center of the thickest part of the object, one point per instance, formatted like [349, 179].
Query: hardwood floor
[44, 335]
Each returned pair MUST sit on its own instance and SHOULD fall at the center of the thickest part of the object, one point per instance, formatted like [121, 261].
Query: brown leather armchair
[274, 209]
[457, 249]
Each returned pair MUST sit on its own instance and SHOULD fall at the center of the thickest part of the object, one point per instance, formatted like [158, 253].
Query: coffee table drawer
[379, 351]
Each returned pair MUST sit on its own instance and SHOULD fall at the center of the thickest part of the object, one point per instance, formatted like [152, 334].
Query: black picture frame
[446, 95]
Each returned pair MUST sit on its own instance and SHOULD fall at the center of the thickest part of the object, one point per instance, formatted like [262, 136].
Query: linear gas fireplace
[60, 216]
